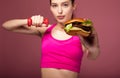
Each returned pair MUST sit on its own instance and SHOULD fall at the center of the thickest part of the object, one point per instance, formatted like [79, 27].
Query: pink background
[20, 54]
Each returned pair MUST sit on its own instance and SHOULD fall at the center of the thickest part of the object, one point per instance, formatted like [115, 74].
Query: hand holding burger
[79, 26]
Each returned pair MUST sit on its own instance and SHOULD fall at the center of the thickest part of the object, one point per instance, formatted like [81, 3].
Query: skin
[62, 11]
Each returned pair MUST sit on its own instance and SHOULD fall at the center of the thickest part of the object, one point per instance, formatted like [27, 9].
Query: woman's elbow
[93, 55]
[6, 26]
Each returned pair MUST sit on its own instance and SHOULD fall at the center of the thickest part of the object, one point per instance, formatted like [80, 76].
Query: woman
[61, 53]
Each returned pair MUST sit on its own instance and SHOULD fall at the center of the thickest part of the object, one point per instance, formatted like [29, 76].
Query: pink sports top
[61, 54]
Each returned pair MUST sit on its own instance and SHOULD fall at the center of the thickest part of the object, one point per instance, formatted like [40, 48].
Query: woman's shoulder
[50, 26]
[43, 29]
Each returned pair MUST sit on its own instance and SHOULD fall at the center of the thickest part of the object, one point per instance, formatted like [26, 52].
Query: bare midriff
[57, 73]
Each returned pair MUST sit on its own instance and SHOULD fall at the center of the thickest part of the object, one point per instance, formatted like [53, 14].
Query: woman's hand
[38, 20]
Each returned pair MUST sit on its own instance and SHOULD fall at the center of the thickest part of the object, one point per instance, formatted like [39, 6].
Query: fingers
[37, 20]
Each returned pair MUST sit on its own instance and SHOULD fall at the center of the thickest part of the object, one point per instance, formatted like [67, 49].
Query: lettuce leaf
[88, 22]
[68, 27]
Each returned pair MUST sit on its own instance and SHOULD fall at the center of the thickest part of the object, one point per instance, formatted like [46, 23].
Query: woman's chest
[60, 35]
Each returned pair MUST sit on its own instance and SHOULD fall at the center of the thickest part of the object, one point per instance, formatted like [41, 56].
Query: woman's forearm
[91, 44]
[93, 47]
[93, 53]
[15, 23]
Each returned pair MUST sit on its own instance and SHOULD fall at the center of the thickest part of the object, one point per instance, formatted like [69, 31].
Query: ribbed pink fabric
[61, 54]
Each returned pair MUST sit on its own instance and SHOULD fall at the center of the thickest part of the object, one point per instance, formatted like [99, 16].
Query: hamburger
[79, 26]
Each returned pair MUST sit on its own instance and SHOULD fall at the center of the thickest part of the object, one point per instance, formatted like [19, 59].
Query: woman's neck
[60, 25]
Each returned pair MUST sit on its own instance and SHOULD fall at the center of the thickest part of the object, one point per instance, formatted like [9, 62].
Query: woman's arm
[91, 45]
[20, 25]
